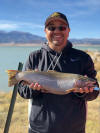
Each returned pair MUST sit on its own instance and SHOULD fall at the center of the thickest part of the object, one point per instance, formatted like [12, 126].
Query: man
[51, 113]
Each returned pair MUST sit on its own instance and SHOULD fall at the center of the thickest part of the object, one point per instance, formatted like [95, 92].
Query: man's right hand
[36, 86]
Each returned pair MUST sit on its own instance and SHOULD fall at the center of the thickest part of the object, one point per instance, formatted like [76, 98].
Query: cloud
[31, 25]
[10, 25]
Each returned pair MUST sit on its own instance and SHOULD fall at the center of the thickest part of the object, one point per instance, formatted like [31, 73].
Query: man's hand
[38, 87]
[84, 90]
[35, 86]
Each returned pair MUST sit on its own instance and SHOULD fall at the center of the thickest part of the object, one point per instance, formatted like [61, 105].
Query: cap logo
[55, 14]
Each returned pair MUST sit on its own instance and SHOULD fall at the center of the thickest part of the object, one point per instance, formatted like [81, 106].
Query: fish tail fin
[12, 77]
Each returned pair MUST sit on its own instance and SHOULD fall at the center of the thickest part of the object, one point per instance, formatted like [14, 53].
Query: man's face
[57, 34]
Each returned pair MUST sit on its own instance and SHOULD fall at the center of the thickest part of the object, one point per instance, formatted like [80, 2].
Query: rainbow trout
[54, 82]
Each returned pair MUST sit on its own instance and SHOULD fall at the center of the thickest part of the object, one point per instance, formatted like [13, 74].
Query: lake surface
[11, 56]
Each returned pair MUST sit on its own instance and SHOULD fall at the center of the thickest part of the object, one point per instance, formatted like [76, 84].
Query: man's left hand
[84, 90]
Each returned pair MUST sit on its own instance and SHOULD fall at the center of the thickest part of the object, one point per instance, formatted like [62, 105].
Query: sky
[30, 15]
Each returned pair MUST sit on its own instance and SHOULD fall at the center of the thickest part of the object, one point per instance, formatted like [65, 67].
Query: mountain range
[16, 37]
[19, 37]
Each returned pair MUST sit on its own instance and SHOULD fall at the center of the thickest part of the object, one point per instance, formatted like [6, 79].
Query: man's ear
[44, 29]
[69, 29]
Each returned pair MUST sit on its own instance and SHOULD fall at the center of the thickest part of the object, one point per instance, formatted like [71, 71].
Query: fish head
[85, 81]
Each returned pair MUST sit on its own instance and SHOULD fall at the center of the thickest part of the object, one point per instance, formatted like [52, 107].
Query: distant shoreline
[40, 44]
[21, 44]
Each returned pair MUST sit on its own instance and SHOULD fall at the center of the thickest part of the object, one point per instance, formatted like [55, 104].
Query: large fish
[54, 82]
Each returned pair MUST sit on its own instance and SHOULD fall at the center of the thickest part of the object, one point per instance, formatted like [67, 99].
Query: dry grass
[19, 123]
[93, 117]
[96, 59]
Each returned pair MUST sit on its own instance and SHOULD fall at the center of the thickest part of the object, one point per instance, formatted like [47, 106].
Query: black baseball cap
[56, 16]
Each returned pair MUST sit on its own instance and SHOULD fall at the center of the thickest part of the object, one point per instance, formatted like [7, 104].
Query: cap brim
[53, 19]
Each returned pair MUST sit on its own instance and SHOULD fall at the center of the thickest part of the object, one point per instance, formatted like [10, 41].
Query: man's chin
[57, 43]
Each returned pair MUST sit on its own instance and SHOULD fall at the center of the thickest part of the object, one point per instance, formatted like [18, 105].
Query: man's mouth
[57, 37]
